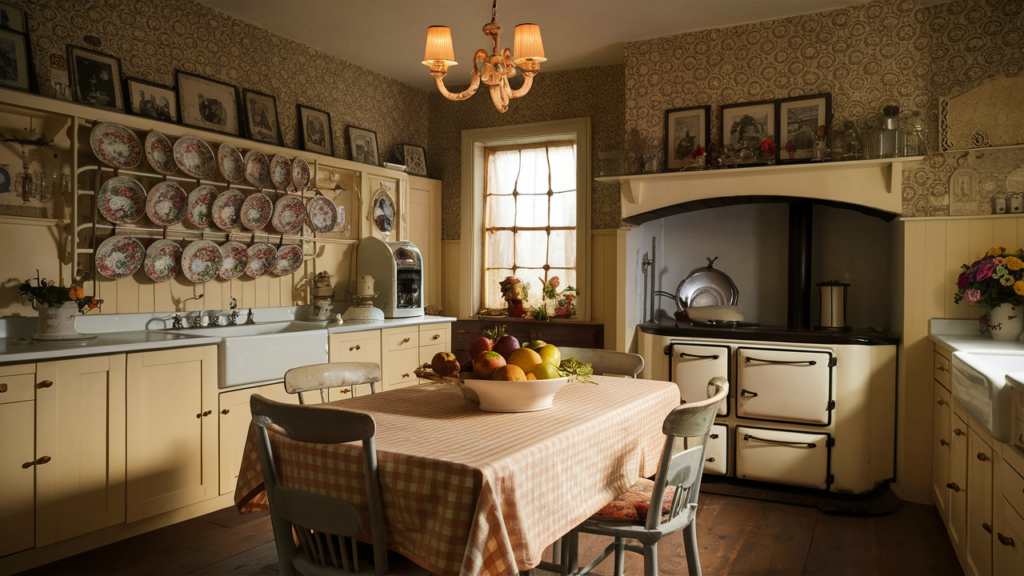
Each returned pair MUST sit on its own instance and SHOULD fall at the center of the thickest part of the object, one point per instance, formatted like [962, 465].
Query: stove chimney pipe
[801, 217]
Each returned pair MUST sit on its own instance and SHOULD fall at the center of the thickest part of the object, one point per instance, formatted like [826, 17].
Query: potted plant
[57, 306]
[996, 282]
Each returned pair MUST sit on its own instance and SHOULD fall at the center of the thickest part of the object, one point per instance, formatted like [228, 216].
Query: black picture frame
[101, 86]
[356, 137]
[17, 24]
[307, 135]
[26, 82]
[748, 136]
[140, 109]
[416, 168]
[703, 113]
[183, 81]
[254, 110]
[824, 118]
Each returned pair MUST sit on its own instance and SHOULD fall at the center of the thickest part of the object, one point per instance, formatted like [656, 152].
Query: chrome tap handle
[176, 321]
[195, 320]
[249, 318]
[233, 317]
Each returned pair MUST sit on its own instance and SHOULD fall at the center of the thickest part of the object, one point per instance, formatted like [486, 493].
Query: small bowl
[516, 395]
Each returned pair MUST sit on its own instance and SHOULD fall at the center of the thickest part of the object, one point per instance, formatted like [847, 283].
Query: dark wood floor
[735, 536]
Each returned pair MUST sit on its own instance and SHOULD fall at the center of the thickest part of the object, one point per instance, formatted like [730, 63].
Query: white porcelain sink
[262, 353]
[979, 385]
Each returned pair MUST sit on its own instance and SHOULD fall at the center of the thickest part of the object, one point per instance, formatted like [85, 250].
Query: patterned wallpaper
[152, 39]
[866, 56]
[594, 92]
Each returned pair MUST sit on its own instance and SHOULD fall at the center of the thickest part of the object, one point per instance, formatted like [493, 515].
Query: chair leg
[563, 559]
[574, 552]
[556, 551]
[690, 543]
[620, 556]
[651, 559]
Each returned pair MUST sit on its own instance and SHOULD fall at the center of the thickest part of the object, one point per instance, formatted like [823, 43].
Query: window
[529, 224]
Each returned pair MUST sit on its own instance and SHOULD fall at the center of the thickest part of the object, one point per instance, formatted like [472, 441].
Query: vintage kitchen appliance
[833, 306]
[398, 270]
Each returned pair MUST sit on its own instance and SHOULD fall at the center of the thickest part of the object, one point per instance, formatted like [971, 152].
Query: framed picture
[208, 104]
[363, 143]
[744, 126]
[382, 209]
[13, 18]
[95, 78]
[315, 132]
[15, 63]
[151, 100]
[686, 130]
[261, 117]
[415, 159]
[798, 122]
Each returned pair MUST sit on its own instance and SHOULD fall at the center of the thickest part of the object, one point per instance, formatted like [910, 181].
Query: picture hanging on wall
[208, 104]
[798, 121]
[363, 144]
[261, 117]
[315, 132]
[687, 130]
[415, 159]
[95, 78]
[13, 18]
[15, 62]
[745, 127]
[151, 100]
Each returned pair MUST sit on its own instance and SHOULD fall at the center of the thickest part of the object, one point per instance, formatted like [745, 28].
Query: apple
[445, 364]
[486, 363]
[535, 344]
[479, 346]
[509, 372]
[506, 345]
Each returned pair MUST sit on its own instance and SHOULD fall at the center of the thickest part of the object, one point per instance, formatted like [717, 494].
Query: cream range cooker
[808, 409]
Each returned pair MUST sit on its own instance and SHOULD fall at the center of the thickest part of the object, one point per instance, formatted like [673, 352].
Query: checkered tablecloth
[472, 492]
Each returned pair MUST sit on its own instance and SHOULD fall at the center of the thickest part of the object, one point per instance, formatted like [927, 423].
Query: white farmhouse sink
[262, 353]
[979, 385]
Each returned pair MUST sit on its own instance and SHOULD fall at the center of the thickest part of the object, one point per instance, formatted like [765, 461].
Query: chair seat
[633, 504]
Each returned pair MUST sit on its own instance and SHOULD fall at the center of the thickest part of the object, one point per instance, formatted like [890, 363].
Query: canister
[833, 305]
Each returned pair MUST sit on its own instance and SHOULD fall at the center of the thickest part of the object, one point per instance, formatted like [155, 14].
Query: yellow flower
[1019, 287]
[1013, 263]
[995, 251]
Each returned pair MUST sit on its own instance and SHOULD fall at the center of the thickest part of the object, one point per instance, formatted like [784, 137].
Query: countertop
[963, 336]
[857, 336]
[361, 325]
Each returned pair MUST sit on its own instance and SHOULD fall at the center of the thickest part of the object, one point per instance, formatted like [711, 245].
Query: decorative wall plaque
[991, 115]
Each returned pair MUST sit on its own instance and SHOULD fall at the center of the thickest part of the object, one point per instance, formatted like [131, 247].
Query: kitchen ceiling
[388, 36]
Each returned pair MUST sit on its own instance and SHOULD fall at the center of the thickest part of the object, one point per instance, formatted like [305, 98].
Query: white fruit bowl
[516, 395]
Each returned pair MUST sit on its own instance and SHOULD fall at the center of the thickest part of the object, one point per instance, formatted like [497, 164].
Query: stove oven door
[784, 385]
[692, 366]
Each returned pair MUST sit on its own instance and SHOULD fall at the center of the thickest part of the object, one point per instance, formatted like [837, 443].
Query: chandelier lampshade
[439, 46]
[528, 45]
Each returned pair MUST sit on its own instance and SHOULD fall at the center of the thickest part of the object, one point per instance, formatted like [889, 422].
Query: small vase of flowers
[996, 283]
[58, 306]
[767, 151]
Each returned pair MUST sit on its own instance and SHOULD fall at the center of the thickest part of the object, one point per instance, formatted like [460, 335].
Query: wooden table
[472, 492]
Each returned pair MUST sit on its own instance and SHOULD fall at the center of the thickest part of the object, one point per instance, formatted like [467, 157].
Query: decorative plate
[115, 145]
[122, 200]
[163, 260]
[201, 261]
[289, 259]
[257, 168]
[262, 259]
[160, 153]
[323, 214]
[200, 206]
[300, 174]
[236, 258]
[227, 209]
[119, 256]
[232, 167]
[167, 204]
[280, 172]
[289, 215]
[194, 157]
[256, 211]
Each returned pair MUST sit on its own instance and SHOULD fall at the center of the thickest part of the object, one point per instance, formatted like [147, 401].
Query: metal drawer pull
[708, 356]
[225, 411]
[436, 336]
[712, 459]
[958, 432]
[404, 340]
[986, 527]
[207, 413]
[714, 436]
[953, 486]
[746, 392]
[940, 368]
[941, 402]
[39, 462]
[748, 437]
[406, 375]
[750, 359]
[46, 383]
[3, 387]
[982, 456]
[1005, 540]
[943, 442]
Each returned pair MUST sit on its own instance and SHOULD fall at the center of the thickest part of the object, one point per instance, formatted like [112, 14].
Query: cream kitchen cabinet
[398, 351]
[956, 524]
[979, 504]
[434, 338]
[235, 416]
[354, 347]
[1008, 513]
[400, 355]
[17, 474]
[941, 433]
[172, 430]
[80, 446]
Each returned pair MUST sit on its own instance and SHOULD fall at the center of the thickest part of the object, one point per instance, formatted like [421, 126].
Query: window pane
[562, 249]
[531, 249]
[533, 174]
[499, 249]
[531, 211]
[501, 212]
[563, 168]
[531, 277]
[502, 172]
[563, 209]
[492, 289]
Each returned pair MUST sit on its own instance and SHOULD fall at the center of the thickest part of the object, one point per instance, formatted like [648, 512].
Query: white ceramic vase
[58, 323]
[1006, 322]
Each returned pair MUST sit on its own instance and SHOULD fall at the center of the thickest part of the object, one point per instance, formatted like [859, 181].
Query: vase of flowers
[996, 283]
[767, 151]
[57, 307]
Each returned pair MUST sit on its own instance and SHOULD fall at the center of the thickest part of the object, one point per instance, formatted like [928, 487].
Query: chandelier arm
[527, 84]
[478, 58]
[496, 97]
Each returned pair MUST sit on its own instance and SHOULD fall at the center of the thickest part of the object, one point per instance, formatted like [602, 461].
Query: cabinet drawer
[783, 457]
[940, 447]
[693, 365]
[433, 335]
[366, 350]
[17, 388]
[784, 385]
[717, 459]
[427, 352]
[403, 341]
[942, 370]
[1013, 487]
[402, 365]
[335, 394]
[1008, 545]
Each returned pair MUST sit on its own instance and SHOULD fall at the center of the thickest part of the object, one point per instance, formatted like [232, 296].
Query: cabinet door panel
[958, 481]
[1008, 552]
[979, 504]
[17, 426]
[940, 449]
[235, 418]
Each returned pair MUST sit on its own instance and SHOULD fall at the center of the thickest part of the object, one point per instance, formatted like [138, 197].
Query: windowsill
[510, 320]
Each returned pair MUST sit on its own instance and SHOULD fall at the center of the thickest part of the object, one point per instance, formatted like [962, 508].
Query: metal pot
[706, 286]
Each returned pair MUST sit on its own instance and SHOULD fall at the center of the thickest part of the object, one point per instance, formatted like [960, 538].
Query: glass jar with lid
[889, 133]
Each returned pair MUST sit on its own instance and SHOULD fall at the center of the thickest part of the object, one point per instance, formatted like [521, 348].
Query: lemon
[545, 371]
[550, 354]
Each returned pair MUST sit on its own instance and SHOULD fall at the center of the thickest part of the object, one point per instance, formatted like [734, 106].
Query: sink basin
[979, 385]
[262, 353]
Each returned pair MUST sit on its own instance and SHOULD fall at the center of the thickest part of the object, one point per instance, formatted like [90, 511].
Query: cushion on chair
[634, 503]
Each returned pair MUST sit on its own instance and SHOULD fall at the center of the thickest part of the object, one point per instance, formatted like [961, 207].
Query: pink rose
[998, 261]
[963, 281]
[973, 295]
[985, 271]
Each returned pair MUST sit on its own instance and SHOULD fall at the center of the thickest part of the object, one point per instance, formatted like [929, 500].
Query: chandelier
[493, 70]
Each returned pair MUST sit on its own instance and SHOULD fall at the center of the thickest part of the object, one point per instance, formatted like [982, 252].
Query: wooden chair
[679, 469]
[606, 361]
[321, 523]
[336, 375]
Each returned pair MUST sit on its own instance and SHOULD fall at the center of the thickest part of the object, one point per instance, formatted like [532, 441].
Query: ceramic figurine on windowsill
[559, 304]
[514, 292]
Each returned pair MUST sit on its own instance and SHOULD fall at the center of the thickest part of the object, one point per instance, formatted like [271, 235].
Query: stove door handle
[746, 392]
[706, 357]
[749, 437]
[750, 359]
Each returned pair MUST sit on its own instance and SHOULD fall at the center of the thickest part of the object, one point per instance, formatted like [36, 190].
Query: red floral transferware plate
[262, 259]
[227, 209]
[257, 168]
[119, 257]
[115, 145]
[289, 259]
[256, 211]
[236, 258]
[232, 167]
[300, 174]
[323, 214]
[167, 204]
[160, 153]
[194, 157]
[163, 260]
[280, 172]
[200, 206]
[201, 261]
[289, 215]
[122, 200]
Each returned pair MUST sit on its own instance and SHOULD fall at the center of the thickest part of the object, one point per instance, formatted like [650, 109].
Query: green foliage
[575, 370]
[539, 313]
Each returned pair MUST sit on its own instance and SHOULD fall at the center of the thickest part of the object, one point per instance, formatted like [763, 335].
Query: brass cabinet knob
[986, 527]
[358, 347]
[406, 375]
[3, 387]
[943, 442]
[351, 348]
[404, 340]
[958, 432]
[436, 336]
[225, 411]
[712, 459]
[39, 462]
[953, 486]
[982, 456]
[207, 413]
[45, 383]
[1005, 540]
[941, 402]
[940, 368]
[200, 415]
